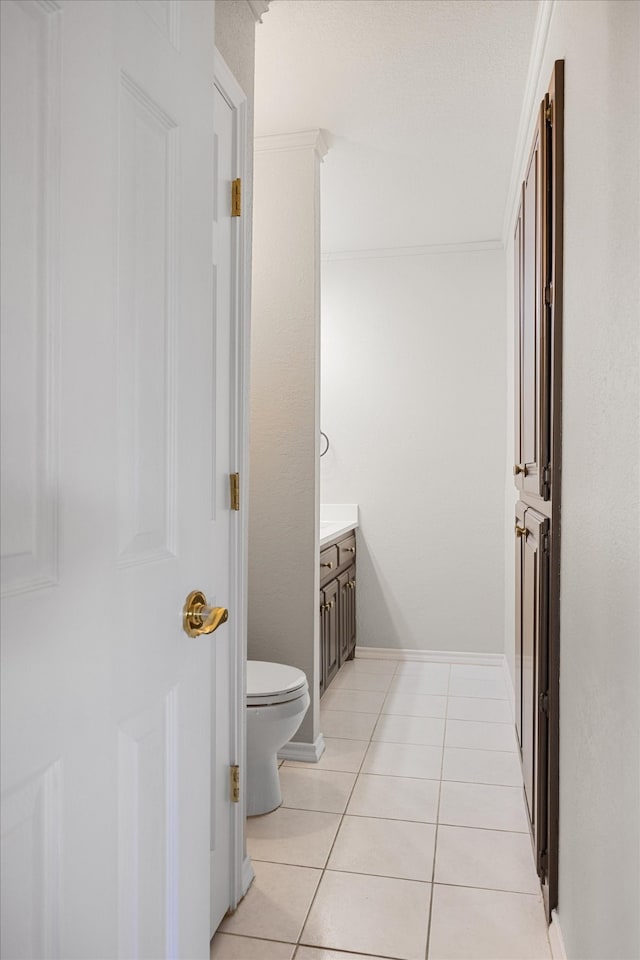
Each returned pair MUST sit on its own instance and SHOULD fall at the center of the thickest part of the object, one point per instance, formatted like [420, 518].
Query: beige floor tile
[436, 684]
[481, 805]
[415, 705]
[346, 725]
[365, 914]
[395, 798]
[315, 953]
[300, 837]
[344, 755]
[482, 766]
[353, 701]
[314, 789]
[469, 924]
[476, 671]
[226, 946]
[473, 708]
[356, 680]
[276, 904]
[478, 735]
[372, 665]
[486, 858]
[493, 689]
[403, 760]
[420, 730]
[386, 848]
[418, 668]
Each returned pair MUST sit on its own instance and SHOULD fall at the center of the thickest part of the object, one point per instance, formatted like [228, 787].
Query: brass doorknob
[198, 617]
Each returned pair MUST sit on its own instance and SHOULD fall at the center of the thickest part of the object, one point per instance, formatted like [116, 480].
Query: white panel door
[115, 459]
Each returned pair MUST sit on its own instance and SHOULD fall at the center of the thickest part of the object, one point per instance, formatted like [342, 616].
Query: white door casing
[230, 259]
[115, 493]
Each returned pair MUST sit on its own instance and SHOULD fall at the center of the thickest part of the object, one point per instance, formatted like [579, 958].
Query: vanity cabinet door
[329, 631]
[348, 622]
[344, 609]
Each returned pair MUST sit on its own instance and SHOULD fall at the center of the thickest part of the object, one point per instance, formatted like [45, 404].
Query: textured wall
[600, 575]
[413, 403]
[284, 499]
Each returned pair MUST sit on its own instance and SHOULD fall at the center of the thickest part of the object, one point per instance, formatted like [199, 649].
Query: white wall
[284, 450]
[413, 385]
[599, 864]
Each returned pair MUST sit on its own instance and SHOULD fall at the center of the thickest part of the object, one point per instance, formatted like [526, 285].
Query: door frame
[230, 89]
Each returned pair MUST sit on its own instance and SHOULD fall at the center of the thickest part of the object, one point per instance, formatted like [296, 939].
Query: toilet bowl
[277, 700]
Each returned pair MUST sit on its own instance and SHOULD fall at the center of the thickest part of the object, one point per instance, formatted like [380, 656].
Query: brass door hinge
[234, 783]
[236, 197]
[234, 490]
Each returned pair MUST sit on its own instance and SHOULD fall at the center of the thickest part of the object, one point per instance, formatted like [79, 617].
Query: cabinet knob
[521, 531]
[328, 564]
[519, 468]
[350, 549]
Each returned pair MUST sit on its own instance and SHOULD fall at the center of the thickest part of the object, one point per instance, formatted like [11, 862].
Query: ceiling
[420, 101]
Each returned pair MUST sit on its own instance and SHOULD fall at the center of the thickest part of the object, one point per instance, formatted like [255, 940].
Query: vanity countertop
[337, 519]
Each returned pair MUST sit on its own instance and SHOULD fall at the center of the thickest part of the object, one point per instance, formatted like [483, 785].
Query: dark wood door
[532, 576]
[532, 457]
[329, 634]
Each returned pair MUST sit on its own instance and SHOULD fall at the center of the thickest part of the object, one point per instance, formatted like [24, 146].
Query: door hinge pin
[234, 490]
[234, 771]
[236, 197]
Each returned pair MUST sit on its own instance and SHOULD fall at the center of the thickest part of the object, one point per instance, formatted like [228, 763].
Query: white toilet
[277, 700]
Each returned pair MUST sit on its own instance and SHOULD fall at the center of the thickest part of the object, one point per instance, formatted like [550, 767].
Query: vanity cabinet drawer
[328, 563]
[347, 551]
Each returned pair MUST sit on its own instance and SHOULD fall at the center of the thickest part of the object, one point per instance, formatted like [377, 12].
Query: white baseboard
[556, 940]
[304, 752]
[431, 656]
[509, 682]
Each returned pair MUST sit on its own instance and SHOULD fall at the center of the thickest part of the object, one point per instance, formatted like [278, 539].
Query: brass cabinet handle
[350, 549]
[519, 468]
[328, 564]
[198, 617]
[521, 531]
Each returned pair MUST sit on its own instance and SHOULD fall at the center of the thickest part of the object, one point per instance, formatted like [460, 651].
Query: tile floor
[407, 840]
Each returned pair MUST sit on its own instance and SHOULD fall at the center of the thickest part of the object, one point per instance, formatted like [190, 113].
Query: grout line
[435, 839]
[324, 868]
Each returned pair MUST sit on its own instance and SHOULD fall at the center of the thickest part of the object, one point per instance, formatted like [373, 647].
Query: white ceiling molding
[425, 251]
[258, 9]
[530, 107]
[303, 140]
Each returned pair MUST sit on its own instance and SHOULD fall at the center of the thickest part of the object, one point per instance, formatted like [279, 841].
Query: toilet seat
[270, 683]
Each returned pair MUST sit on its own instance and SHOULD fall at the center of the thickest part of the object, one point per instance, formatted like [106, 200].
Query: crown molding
[527, 112]
[303, 140]
[429, 250]
[258, 9]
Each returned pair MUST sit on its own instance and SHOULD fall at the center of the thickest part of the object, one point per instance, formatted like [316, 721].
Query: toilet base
[269, 797]
[268, 729]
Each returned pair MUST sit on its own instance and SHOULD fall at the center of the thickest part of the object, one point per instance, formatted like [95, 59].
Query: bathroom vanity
[337, 600]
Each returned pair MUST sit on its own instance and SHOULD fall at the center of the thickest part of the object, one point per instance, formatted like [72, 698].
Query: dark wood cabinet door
[330, 648]
[322, 657]
[532, 577]
[347, 613]
[532, 380]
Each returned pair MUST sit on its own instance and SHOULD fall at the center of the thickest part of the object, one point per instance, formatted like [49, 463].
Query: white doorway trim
[230, 89]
